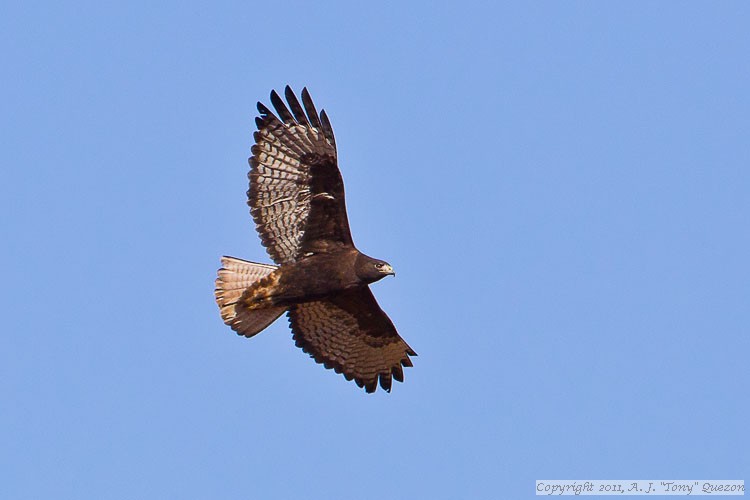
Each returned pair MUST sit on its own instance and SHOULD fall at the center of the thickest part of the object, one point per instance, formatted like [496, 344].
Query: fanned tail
[235, 276]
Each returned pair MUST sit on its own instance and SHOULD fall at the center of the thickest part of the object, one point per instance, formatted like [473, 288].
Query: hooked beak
[388, 270]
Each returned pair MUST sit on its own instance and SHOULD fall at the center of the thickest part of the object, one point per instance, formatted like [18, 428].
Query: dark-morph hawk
[296, 198]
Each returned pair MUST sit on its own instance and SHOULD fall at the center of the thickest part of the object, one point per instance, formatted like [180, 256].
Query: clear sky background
[562, 187]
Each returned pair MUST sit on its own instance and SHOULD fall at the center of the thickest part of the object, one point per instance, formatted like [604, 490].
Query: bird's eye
[379, 265]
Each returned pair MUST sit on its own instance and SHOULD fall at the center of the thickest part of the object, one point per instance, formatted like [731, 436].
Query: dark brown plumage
[296, 198]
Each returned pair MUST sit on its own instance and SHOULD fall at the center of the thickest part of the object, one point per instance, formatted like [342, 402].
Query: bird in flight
[320, 279]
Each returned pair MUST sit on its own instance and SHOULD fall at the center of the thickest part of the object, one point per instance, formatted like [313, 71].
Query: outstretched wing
[351, 334]
[296, 194]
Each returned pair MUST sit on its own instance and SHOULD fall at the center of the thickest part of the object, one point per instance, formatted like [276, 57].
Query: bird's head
[371, 270]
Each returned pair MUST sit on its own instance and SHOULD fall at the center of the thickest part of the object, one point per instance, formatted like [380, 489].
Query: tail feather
[235, 276]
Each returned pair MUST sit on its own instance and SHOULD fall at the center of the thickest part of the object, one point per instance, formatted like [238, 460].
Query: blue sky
[562, 187]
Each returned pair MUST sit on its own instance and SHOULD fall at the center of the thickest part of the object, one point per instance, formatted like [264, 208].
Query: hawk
[320, 279]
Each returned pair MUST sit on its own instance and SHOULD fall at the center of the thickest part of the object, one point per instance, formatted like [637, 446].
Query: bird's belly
[293, 285]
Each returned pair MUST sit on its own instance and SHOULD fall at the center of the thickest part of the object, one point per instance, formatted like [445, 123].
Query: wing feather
[350, 334]
[312, 113]
[327, 129]
[296, 195]
[299, 115]
[281, 108]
